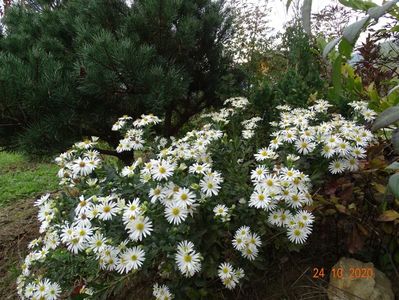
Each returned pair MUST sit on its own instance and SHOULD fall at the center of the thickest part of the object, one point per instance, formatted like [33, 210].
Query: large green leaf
[358, 4]
[345, 48]
[351, 33]
[394, 184]
[306, 15]
[327, 49]
[393, 89]
[336, 76]
[395, 140]
[393, 166]
[386, 118]
[378, 11]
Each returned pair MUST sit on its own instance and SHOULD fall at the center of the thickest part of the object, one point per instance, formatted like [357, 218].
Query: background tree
[251, 29]
[70, 68]
[331, 21]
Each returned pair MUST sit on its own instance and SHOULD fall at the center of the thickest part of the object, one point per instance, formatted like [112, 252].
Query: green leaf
[336, 75]
[378, 11]
[393, 89]
[394, 28]
[345, 48]
[393, 166]
[306, 15]
[386, 118]
[393, 184]
[330, 46]
[351, 33]
[358, 4]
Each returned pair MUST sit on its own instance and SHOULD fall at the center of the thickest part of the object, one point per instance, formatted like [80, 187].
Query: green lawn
[20, 178]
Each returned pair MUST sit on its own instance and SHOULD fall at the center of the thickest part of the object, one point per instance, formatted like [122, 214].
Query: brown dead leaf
[341, 208]
[355, 241]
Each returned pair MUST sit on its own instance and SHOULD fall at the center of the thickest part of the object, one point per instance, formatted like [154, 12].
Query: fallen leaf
[355, 241]
[380, 188]
[341, 208]
[388, 216]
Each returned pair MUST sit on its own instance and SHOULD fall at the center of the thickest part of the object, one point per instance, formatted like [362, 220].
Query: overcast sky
[279, 15]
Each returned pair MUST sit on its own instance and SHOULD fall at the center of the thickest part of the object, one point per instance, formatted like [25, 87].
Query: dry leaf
[388, 216]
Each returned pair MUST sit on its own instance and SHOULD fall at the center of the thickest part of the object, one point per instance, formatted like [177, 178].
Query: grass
[21, 178]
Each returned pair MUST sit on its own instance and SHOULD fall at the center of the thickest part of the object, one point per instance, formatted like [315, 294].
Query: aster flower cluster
[187, 259]
[162, 292]
[76, 164]
[233, 107]
[230, 276]
[222, 212]
[139, 216]
[342, 142]
[361, 107]
[85, 233]
[282, 192]
[42, 289]
[134, 137]
[246, 242]
[249, 127]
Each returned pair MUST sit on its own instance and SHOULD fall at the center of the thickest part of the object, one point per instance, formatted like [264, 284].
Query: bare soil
[18, 226]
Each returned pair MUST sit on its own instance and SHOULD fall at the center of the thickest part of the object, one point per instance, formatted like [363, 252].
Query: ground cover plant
[21, 178]
[174, 214]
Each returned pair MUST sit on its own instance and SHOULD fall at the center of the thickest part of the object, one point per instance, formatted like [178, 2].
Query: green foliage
[358, 4]
[394, 184]
[8, 160]
[293, 73]
[351, 33]
[69, 69]
[386, 118]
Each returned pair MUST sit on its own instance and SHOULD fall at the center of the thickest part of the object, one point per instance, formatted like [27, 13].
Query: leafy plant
[191, 210]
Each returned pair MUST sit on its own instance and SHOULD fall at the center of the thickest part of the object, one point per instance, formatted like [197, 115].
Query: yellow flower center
[140, 226]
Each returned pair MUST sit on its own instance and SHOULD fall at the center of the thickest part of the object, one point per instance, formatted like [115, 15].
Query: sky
[279, 15]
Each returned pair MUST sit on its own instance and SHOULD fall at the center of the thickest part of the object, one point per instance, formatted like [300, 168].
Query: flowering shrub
[173, 209]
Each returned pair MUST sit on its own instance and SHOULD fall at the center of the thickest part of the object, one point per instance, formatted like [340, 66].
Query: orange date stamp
[340, 273]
